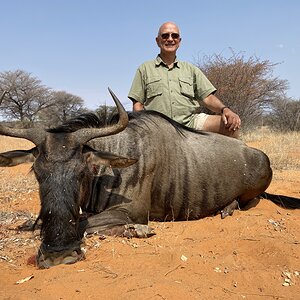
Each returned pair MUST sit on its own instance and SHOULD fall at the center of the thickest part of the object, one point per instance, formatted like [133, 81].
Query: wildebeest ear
[110, 160]
[16, 157]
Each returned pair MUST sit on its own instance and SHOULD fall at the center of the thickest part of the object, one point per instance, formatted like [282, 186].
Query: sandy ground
[255, 254]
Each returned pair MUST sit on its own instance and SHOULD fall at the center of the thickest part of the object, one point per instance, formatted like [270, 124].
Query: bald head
[167, 26]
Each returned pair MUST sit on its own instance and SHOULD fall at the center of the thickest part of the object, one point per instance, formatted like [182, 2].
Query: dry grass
[283, 149]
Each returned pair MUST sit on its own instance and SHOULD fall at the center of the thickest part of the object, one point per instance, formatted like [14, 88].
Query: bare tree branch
[246, 85]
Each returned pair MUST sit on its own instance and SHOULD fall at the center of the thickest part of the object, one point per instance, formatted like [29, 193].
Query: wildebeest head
[64, 167]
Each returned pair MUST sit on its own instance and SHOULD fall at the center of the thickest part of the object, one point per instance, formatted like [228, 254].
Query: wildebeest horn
[86, 134]
[32, 134]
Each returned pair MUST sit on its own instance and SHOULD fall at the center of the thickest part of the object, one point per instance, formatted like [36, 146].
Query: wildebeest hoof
[138, 230]
[229, 209]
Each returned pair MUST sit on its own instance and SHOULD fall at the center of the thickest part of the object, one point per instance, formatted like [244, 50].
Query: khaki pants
[200, 120]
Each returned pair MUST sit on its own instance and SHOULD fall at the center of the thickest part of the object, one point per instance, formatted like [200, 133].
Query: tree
[245, 85]
[64, 106]
[25, 96]
[285, 115]
[105, 114]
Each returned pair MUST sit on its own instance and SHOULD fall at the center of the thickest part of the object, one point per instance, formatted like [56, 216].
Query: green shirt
[175, 92]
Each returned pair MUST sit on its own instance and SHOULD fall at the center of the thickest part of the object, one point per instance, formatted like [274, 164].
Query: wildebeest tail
[283, 201]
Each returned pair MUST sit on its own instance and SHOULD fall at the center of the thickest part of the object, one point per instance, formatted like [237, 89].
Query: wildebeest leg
[116, 223]
[229, 209]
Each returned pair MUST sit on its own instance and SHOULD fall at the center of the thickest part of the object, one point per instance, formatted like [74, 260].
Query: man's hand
[231, 120]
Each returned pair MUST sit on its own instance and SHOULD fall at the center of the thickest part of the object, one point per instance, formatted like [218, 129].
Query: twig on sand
[172, 270]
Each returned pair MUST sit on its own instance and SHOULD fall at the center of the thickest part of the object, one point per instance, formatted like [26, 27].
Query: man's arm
[231, 120]
[137, 106]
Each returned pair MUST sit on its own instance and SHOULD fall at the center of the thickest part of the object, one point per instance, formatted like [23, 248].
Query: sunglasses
[173, 35]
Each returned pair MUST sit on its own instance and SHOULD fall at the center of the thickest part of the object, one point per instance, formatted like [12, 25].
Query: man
[175, 88]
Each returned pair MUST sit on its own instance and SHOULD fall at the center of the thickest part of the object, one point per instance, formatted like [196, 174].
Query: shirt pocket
[153, 87]
[187, 87]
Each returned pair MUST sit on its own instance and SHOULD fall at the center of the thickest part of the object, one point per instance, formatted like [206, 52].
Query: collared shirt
[175, 91]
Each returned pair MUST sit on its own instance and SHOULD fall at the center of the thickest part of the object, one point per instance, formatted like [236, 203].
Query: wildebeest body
[180, 174]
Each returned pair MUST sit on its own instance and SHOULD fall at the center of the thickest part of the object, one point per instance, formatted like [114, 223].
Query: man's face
[168, 39]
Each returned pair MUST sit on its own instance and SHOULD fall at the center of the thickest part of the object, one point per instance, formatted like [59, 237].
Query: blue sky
[83, 47]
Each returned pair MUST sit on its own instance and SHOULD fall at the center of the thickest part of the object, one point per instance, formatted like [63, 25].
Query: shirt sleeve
[203, 86]
[137, 90]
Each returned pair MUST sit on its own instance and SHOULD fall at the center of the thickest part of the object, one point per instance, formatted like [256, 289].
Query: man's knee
[214, 123]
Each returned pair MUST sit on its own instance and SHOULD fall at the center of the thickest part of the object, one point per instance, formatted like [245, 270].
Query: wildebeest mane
[90, 120]
[87, 120]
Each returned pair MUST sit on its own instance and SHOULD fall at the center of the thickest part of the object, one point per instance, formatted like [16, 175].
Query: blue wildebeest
[130, 172]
